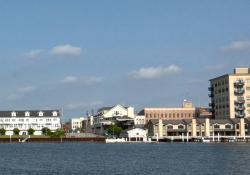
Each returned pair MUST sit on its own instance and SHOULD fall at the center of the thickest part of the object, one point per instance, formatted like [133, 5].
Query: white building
[76, 123]
[107, 116]
[24, 120]
[135, 134]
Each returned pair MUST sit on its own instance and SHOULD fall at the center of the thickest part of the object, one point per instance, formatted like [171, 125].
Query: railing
[239, 91]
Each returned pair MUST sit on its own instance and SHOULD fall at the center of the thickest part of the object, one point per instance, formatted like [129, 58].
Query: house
[135, 134]
[26, 119]
[107, 116]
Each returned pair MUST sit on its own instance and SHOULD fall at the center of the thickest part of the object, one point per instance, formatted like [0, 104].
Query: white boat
[205, 140]
[118, 140]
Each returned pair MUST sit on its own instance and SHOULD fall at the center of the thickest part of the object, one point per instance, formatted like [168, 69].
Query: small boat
[113, 140]
[205, 140]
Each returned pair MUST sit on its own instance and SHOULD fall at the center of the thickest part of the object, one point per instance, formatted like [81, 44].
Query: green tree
[2, 131]
[31, 131]
[59, 132]
[16, 131]
[46, 131]
[114, 130]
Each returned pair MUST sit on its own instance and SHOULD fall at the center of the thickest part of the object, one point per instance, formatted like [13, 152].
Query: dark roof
[33, 113]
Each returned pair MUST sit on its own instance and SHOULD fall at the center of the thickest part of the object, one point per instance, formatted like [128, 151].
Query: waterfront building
[107, 116]
[187, 111]
[24, 120]
[76, 123]
[135, 134]
[199, 127]
[230, 94]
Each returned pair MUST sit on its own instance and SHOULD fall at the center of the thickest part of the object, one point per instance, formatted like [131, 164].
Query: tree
[46, 131]
[59, 132]
[16, 131]
[31, 131]
[2, 131]
[114, 130]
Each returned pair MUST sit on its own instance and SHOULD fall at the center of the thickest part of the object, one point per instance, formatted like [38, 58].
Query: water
[106, 159]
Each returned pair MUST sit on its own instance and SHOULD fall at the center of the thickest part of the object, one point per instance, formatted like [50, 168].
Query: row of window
[170, 115]
[27, 120]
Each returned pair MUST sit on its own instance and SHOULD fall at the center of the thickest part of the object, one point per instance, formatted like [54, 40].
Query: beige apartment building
[186, 112]
[230, 94]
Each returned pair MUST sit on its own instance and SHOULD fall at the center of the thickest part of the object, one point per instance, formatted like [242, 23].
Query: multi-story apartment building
[186, 112]
[230, 94]
[24, 120]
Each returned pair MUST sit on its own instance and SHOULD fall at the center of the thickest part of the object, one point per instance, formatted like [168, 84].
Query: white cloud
[237, 46]
[70, 79]
[82, 80]
[26, 89]
[33, 54]
[82, 105]
[66, 50]
[155, 72]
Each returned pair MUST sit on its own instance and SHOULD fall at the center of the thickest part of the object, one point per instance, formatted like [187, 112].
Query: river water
[106, 159]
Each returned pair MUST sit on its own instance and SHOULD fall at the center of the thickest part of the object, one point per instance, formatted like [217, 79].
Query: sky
[82, 55]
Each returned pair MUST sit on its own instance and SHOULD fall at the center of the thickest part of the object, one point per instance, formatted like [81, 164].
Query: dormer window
[40, 114]
[54, 113]
[27, 114]
[13, 114]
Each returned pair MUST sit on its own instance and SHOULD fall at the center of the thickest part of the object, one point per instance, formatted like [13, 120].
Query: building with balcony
[24, 120]
[230, 95]
[107, 116]
[198, 127]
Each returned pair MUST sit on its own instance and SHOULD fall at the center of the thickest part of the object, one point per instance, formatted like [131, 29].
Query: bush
[46, 131]
[31, 131]
[16, 131]
[114, 130]
[2, 131]
[58, 133]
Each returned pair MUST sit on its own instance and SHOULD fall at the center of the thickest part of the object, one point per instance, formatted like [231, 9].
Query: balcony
[239, 101]
[239, 91]
[239, 83]
[239, 108]
[211, 104]
[210, 88]
[211, 95]
[239, 115]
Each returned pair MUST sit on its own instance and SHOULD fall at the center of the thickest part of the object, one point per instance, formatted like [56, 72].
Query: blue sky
[82, 55]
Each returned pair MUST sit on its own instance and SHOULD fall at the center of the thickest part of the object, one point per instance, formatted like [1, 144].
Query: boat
[114, 140]
[204, 140]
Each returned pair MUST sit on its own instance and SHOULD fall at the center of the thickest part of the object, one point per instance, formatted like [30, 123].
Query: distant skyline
[82, 55]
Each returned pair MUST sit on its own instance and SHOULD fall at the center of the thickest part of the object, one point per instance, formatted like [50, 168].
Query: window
[40, 113]
[170, 127]
[216, 126]
[27, 114]
[13, 114]
[180, 127]
[228, 126]
[248, 88]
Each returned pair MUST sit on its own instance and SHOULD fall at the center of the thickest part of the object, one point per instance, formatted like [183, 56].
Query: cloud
[26, 89]
[66, 50]
[82, 105]
[82, 80]
[155, 72]
[70, 79]
[33, 54]
[21, 92]
[237, 46]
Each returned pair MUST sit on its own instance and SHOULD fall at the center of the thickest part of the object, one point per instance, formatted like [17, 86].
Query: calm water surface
[100, 158]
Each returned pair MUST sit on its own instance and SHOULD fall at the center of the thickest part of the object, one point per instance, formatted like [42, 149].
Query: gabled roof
[33, 113]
